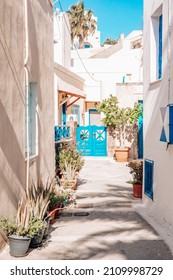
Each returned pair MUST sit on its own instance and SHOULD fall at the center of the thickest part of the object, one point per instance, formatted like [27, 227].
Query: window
[75, 110]
[31, 110]
[148, 177]
[94, 117]
[156, 46]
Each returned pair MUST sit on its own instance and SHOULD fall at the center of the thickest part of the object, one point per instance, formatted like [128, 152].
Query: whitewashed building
[112, 69]
[158, 110]
[68, 86]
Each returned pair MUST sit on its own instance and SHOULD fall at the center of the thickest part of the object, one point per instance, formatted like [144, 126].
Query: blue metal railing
[62, 131]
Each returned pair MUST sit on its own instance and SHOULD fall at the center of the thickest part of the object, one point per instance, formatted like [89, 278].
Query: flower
[136, 169]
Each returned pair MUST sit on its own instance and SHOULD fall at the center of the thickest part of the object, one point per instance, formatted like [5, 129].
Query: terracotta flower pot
[58, 210]
[137, 190]
[52, 216]
[122, 154]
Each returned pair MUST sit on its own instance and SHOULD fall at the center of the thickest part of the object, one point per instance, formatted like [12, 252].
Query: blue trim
[163, 135]
[61, 131]
[64, 117]
[160, 49]
[170, 123]
[140, 133]
[148, 177]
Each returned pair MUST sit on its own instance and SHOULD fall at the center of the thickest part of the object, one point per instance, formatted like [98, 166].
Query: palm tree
[81, 22]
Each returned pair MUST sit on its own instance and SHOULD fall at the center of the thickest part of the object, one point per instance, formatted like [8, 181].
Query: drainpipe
[26, 92]
[169, 50]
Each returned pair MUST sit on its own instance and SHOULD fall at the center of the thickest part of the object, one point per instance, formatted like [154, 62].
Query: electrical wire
[98, 81]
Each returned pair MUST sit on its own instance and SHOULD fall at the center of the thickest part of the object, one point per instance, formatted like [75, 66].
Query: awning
[70, 85]
[65, 96]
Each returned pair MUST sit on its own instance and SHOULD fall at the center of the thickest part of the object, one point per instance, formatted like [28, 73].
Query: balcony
[62, 132]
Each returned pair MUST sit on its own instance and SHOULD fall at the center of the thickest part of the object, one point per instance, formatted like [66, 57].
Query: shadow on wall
[12, 162]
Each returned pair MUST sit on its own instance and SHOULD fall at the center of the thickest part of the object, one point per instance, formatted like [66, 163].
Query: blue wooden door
[140, 134]
[92, 140]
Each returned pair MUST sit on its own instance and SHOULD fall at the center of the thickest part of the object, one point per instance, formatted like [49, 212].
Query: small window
[75, 110]
[148, 177]
[156, 45]
[31, 121]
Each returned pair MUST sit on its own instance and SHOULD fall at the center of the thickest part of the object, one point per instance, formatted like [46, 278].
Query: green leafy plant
[9, 227]
[70, 162]
[119, 119]
[35, 225]
[55, 200]
[136, 169]
[23, 224]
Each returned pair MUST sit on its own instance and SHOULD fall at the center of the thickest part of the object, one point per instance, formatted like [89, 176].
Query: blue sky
[114, 16]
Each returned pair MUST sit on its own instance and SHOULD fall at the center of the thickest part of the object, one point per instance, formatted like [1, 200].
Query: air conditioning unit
[72, 118]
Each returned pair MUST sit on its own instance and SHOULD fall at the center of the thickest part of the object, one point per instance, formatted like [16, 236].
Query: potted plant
[70, 162]
[38, 197]
[136, 169]
[37, 228]
[119, 121]
[29, 223]
[19, 230]
[54, 206]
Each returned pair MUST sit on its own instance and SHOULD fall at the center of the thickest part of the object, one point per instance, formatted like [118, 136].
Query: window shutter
[160, 49]
[148, 177]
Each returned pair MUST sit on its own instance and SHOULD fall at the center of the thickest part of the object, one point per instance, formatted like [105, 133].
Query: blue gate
[92, 140]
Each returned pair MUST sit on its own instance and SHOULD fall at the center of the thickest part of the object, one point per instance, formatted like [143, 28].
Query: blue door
[91, 140]
[140, 134]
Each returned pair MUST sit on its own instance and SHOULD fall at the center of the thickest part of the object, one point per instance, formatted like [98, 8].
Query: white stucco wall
[158, 94]
[108, 66]
[62, 40]
[13, 97]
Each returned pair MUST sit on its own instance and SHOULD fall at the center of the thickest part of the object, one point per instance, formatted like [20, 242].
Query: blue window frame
[148, 177]
[64, 117]
[160, 49]
[170, 107]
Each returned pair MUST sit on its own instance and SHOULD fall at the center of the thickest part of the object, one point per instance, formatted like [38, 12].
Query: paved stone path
[111, 228]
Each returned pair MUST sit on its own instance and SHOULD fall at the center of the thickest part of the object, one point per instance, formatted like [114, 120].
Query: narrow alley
[104, 223]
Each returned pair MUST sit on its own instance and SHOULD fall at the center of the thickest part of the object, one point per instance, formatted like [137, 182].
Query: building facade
[116, 70]
[26, 99]
[158, 116]
[68, 86]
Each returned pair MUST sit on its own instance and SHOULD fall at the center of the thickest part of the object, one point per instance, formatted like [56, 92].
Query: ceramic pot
[37, 239]
[137, 190]
[122, 155]
[19, 245]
